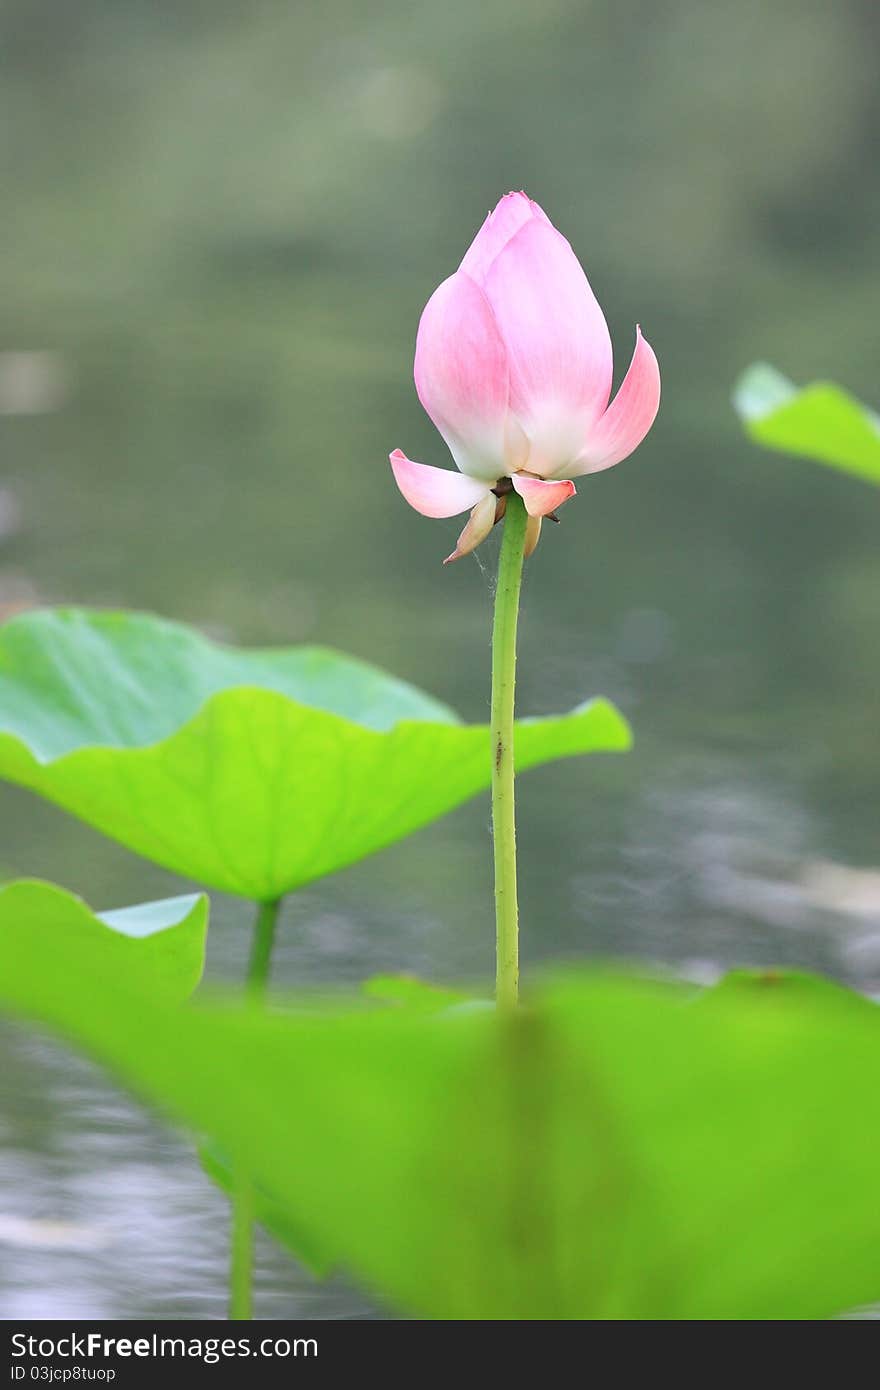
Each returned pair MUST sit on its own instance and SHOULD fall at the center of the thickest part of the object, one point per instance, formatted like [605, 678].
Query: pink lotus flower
[513, 365]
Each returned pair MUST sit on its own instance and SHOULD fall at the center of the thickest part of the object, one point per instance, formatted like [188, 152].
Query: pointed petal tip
[640, 337]
[512, 211]
[435, 492]
[477, 528]
[520, 196]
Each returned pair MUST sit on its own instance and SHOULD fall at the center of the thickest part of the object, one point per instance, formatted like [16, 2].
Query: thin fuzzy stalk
[241, 1243]
[510, 565]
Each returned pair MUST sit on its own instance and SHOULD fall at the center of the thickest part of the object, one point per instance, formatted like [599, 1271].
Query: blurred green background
[220, 225]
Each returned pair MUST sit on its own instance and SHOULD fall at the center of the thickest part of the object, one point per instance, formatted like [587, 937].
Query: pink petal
[435, 491]
[513, 210]
[461, 375]
[557, 341]
[540, 497]
[629, 416]
[479, 524]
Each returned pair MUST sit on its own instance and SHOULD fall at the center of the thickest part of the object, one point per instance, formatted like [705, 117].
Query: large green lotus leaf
[395, 991]
[617, 1150]
[158, 947]
[251, 771]
[315, 1254]
[820, 421]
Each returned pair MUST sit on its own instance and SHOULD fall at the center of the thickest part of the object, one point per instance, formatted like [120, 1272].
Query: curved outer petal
[461, 375]
[479, 524]
[540, 497]
[629, 416]
[557, 342]
[533, 535]
[435, 492]
[512, 211]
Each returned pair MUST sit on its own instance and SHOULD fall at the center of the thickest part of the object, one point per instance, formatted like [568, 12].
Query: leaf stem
[507, 592]
[241, 1249]
[261, 948]
[241, 1243]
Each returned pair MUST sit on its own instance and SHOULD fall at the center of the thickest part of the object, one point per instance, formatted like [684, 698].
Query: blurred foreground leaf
[309, 1248]
[157, 947]
[395, 991]
[409, 992]
[820, 422]
[618, 1150]
[250, 771]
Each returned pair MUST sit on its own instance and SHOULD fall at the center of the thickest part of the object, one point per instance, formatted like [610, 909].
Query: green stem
[241, 1250]
[241, 1245]
[261, 948]
[510, 566]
